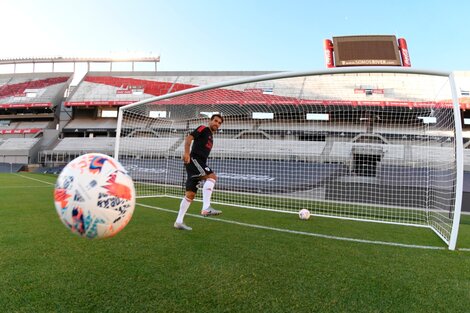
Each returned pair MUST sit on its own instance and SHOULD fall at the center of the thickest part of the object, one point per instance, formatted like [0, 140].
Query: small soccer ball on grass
[304, 214]
[94, 196]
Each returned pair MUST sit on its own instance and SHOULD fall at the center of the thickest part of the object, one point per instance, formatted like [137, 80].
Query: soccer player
[197, 170]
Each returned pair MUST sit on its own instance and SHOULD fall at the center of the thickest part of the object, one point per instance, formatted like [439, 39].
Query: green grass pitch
[243, 261]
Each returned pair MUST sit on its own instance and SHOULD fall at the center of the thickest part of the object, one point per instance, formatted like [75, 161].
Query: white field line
[38, 180]
[23, 187]
[384, 243]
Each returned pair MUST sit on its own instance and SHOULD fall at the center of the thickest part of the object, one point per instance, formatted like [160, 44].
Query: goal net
[370, 144]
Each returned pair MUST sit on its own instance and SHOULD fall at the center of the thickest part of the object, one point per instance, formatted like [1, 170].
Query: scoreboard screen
[374, 50]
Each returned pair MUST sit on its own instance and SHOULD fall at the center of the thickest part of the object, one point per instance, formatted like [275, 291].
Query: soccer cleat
[210, 211]
[182, 226]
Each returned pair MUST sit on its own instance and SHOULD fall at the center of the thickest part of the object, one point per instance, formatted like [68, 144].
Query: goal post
[378, 144]
[459, 164]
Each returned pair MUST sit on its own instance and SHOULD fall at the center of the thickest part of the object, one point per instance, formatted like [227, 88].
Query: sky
[238, 35]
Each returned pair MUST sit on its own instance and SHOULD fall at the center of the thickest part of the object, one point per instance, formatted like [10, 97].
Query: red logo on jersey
[209, 143]
[200, 128]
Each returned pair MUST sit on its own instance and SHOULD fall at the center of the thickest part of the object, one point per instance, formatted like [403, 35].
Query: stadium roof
[60, 59]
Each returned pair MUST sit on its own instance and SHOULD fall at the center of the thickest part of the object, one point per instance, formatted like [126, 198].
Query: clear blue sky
[234, 35]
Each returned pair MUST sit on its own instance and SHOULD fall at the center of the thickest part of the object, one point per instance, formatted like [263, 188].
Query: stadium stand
[96, 126]
[342, 151]
[255, 149]
[120, 88]
[11, 167]
[85, 145]
[19, 150]
[28, 102]
[28, 106]
[71, 147]
[91, 124]
[274, 149]
[32, 90]
[23, 129]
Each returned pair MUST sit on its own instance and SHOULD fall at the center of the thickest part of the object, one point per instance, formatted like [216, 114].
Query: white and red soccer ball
[94, 196]
[304, 214]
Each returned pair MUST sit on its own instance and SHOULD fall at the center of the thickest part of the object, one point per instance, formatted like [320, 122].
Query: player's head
[215, 122]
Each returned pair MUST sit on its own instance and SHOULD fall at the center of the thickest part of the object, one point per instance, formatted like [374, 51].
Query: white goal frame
[458, 145]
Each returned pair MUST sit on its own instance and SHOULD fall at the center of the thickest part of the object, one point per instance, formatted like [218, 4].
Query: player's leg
[207, 190]
[191, 189]
[199, 169]
[184, 206]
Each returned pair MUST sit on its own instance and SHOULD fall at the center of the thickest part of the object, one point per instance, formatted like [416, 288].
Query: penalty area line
[289, 231]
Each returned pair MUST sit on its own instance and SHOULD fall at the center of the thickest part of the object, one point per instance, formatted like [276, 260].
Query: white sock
[207, 193]
[184, 206]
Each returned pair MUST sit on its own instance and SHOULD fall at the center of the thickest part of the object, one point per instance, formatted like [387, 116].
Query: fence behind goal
[370, 144]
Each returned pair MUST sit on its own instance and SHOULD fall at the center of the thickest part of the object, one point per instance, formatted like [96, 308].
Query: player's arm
[187, 145]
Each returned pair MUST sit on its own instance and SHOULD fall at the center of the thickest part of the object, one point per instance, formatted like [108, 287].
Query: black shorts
[196, 169]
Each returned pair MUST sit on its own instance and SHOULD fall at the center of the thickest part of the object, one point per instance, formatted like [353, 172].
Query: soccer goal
[371, 144]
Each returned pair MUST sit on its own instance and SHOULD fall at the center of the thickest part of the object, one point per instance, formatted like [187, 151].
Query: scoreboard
[371, 50]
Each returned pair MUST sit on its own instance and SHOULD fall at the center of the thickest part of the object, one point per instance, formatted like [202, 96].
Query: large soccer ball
[304, 214]
[94, 196]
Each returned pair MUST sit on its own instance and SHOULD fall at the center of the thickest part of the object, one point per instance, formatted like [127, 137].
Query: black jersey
[202, 144]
